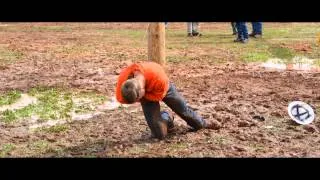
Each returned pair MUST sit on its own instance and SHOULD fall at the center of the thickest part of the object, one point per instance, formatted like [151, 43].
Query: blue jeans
[257, 27]
[242, 30]
[158, 122]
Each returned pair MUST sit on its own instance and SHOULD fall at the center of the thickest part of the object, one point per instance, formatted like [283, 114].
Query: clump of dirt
[299, 47]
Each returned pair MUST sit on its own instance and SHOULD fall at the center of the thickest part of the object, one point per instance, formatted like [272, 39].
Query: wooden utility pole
[156, 43]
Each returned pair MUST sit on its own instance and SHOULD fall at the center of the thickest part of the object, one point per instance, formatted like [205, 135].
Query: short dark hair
[129, 91]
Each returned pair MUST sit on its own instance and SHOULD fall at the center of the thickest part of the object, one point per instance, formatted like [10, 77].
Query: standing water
[297, 63]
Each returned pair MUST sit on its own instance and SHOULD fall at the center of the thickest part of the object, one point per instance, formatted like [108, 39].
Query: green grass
[86, 101]
[137, 150]
[10, 116]
[177, 59]
[10, 97]
[255, 57]
[54, 129]
[53, 103]
[317, 62]
[281, 52]
[50, 28]
[40, 146]
[178, 146]
[75, 49]
[6, 149]
[257, 50]
[8, 56]
[135, 34]
[220, 140]
[58, 151]
[258, 147]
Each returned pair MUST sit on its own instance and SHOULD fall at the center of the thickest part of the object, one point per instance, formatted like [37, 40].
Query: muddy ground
[248, 102]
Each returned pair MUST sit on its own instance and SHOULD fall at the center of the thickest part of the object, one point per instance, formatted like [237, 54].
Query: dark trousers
[242, 30]
[158, 121]
[257, 27]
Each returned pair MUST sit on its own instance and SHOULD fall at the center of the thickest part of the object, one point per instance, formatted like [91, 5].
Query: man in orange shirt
[148, 84]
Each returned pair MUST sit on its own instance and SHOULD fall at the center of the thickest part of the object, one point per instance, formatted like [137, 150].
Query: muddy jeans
[158, 121]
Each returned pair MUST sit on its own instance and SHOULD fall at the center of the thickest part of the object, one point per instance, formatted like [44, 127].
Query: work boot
[196, 33]
[255, 35]
[169, 118]
[244, 41]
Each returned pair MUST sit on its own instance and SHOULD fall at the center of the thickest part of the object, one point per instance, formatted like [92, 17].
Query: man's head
[132, 90]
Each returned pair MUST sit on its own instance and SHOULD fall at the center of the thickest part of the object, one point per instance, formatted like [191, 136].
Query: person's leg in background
[242, 32]
[166, 24]
[256, 29]
[234, 28]
[189, 28]
[195, 29]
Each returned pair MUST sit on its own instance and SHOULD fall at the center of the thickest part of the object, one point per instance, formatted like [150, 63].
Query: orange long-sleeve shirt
[157, 82]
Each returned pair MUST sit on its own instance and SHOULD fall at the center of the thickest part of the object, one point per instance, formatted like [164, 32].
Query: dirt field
[221, 80]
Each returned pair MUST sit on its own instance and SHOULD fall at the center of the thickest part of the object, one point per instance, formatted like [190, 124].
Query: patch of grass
[270, 33]
[10, 116]
[118, 56]
[317, 62]
[8, 56]
[87, 101]
[177, 59]
[9, 28]
[40, 146]
[134, 34]
[258, 147]
[310, 32]
[76, 49]
[57, 151]
[10, 97]
[6, 149]
[137, 150]
[54, 129]
[55, 103]
[178, 146]
[174, 59]
[281, 52]
[52, 104]
[126, 33]
[50, 28]
[315, 53]
[255, 57]
[220, 140]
